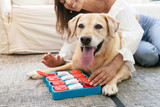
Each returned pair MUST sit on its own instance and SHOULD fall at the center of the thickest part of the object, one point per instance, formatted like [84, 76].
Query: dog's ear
[72, 25]
[112, 23]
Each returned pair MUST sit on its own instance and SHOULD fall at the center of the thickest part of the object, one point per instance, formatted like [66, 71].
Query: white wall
[136, 1]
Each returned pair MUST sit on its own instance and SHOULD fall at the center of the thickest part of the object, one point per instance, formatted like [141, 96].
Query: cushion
[32, 30]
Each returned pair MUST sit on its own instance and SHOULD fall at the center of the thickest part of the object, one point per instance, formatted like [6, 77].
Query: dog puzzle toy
[69, 84]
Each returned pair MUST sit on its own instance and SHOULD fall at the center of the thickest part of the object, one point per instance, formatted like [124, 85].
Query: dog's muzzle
[86, 40]
[88, 51]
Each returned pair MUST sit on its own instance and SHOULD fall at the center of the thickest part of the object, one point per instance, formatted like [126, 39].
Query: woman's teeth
[74, 5]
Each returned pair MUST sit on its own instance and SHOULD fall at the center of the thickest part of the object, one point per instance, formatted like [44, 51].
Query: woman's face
[74, 5]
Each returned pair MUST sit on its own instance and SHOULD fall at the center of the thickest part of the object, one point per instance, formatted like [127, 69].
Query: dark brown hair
[63, 17]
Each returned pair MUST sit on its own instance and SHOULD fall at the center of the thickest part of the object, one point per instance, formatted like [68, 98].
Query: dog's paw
[110, 90]
[33, 75]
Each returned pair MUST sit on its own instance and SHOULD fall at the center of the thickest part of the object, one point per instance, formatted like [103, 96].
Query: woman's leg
[154, 34]
[148, 51]
[146, 54]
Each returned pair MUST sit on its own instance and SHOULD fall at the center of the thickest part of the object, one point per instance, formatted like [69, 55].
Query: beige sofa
[28, 26]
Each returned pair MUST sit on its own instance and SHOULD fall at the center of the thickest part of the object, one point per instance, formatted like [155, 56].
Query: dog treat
[59, 82]
[75, 72]
[44, 74]
[53, 78]
[67, 77]
[85, 85]
[61, 88]
[53, 74]
[83, 80]
[62, 73]
[75, 86]
[79, 76]
[71, 81]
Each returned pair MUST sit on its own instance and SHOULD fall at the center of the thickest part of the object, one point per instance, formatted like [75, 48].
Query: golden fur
[112, 43]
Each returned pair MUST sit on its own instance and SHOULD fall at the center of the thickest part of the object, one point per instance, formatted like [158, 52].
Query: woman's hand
[51, 61]
[105, 74]
[102, 75]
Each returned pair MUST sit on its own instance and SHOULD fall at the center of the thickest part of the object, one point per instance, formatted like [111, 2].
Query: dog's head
[92, 30]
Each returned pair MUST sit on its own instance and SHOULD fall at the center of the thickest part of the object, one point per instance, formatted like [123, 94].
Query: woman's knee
[146, 54]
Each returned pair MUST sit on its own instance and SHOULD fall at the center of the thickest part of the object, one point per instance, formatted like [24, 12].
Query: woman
[129, 27]
[148, 50]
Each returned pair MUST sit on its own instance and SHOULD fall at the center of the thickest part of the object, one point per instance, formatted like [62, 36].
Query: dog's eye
[81, 26]
[98, 26]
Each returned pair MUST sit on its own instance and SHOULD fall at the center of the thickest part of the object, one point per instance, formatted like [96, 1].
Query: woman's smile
[74, 5]
[90, 6]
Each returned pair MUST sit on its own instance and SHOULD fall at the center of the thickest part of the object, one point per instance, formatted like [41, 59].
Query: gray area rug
[16, 90]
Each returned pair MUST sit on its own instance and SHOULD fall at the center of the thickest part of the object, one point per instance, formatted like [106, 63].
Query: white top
[129, 28]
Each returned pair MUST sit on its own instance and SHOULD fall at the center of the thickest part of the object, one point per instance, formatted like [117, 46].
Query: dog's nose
[85, 39]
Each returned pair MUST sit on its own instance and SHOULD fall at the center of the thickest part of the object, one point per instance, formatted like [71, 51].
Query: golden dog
[98, 42]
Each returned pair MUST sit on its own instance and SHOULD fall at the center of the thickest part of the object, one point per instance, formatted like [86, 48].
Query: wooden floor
[16, 90]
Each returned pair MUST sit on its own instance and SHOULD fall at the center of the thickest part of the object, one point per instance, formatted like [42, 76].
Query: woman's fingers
[58, 57]
[44, 62]
[48, 56]
[100, 79]
[94, 74]
[101, 76]
[45, 57]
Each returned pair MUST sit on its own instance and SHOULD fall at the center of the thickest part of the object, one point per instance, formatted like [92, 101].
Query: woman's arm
[105, 74]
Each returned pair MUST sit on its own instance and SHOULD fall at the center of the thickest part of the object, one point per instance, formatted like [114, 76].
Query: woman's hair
[63, 16]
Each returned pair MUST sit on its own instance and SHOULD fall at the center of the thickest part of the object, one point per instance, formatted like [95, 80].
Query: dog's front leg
[35, 75]
[111, 88]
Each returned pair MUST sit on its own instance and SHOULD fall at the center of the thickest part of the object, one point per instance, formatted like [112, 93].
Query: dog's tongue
[87, 56]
